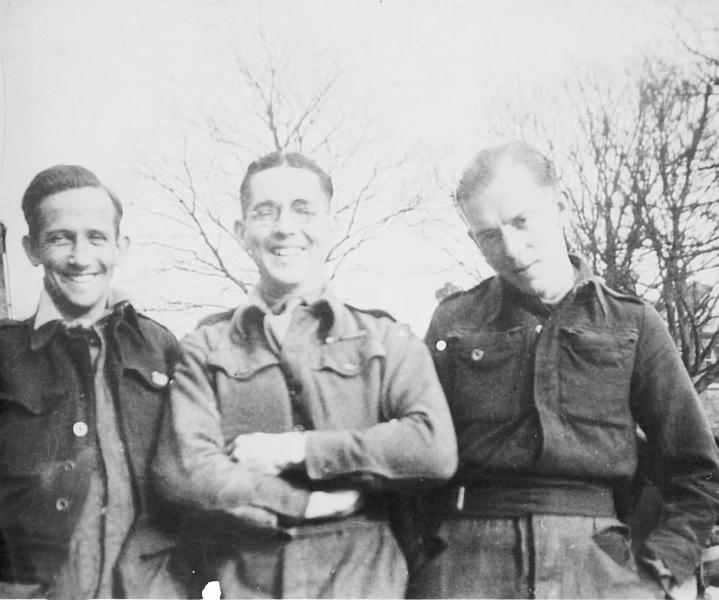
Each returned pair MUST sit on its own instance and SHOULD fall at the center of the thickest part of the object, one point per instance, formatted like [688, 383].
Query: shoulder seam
[374, 312]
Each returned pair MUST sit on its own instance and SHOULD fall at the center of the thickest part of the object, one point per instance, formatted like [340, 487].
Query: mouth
[286, 250]
[80, 277]
[523, 269]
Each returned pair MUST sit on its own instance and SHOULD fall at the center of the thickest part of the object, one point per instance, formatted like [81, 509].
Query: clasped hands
[276, 453]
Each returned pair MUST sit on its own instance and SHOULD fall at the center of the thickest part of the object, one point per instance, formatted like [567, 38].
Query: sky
[100, 83]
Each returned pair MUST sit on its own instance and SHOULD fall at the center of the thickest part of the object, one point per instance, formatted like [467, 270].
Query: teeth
[286, 251]
[81, 278]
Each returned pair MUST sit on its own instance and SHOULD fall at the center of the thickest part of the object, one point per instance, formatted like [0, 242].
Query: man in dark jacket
[81, 385]
[548, 372]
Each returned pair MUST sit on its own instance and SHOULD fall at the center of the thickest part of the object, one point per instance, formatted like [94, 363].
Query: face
[517, 225]
[78, 247]
[288, 228]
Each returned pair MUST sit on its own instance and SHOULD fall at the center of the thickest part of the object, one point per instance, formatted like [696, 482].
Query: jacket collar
[325, 307]
[48, 320]
[502, 294]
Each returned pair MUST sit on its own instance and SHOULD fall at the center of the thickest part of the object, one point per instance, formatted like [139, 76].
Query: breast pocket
[488, 375]
[251, 392]
[595, 370]
[348, 378]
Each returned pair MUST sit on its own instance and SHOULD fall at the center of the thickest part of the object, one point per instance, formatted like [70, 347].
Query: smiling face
[288, 229]
[517, 225]
[78, 246]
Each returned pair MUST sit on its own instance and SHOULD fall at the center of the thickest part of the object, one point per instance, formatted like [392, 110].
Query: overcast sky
[92, 82]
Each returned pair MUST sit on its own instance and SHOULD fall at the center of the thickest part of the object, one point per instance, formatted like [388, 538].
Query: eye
[57, 239]
[521, 221]
[97, 237]
[304, 210]
[264, 212]
[488, 236]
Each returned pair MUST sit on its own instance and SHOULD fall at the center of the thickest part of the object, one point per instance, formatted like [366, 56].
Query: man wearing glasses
[293, 417]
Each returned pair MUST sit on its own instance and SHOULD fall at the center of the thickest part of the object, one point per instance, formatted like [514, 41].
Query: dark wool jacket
[546, 406]
[47, 431]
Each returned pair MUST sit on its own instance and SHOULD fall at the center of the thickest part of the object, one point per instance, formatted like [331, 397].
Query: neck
[309, 290]
[70, 312]
[562, 283]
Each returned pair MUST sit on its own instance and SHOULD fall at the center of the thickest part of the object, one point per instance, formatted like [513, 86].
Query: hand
[254, 516]
[340, 503]
[268, 453]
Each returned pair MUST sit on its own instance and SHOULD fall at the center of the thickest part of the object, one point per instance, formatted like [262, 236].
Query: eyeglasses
[267, 213]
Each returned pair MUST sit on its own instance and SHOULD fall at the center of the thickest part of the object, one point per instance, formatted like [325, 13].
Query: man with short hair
[548, 372]
[295, 418]
[81, 385]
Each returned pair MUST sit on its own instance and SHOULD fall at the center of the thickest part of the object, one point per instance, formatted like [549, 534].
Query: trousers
[534, 556]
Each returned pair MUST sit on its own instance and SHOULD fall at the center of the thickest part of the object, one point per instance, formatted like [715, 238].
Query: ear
[563, 206]
[123, 244]
[30, 250]
[240, 233]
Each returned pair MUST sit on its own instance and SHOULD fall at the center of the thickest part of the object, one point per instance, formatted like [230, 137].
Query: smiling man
[547, 373]
[295, 418]
[81, 384]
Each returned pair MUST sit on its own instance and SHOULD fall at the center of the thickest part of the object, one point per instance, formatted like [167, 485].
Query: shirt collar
[48, 318]
[325, 306]
[503, 294]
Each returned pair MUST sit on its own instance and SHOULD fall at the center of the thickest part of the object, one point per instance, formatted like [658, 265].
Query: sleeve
[413, 444]
[190, 465]
[682, 450]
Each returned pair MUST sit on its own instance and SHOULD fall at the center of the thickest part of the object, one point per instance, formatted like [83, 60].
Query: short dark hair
[482, 169]
[60, 178]
[282, 159]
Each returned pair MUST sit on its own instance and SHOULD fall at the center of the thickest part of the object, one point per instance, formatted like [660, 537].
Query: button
[349, 366]
[477, 354]
[299, 428]
[79, 428]
[68, 466]
[329, 340]
[441, 345]
[538, 329]
[62, 504]
[159, 378]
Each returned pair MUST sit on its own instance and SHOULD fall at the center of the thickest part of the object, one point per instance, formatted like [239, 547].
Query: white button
[79, 428]
[159, 378]
[538, 329]
[62, 504]
[477, 354]
[350, 366]
[441, 345]
[329, 339]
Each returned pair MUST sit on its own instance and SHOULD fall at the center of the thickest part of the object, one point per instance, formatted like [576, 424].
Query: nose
[81, 253]
[512, 244]
[286, 224]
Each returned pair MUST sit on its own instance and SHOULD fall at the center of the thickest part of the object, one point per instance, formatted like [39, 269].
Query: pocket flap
[152, 371]
[350, 356]
[236, 362]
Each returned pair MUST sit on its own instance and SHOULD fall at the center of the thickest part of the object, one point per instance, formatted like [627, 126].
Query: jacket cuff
[271, 493]
[676, 557]
[324, 457]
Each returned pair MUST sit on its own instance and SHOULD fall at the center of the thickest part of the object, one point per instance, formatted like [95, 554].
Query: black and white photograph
[359, 299]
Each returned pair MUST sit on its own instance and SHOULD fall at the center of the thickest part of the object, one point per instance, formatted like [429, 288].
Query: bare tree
[284, 102]
[641, 175]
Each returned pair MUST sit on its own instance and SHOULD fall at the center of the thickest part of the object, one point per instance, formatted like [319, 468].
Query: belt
[508, 501]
